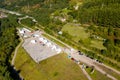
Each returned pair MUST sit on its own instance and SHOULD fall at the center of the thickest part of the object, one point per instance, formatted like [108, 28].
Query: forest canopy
[8, 42]
[100, 12]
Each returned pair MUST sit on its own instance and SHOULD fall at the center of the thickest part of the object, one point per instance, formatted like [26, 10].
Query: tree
[117, 42]
[109, 45]
[110, 31]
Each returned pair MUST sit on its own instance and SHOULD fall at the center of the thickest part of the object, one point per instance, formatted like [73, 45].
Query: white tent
[25, 36]
[72, 49]
[53, 47]
[36, 35]
[58, 50]
[41, 39]
[48, 44]
[21, 31]
[27, 30]
[33, 41]
[44, 41]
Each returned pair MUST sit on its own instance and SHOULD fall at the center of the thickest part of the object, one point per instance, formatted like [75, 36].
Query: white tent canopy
[58, 50]
[49, 44]
[21, 31]
[33, 41]
[53, 47]
[27, 30]
[36, 35]
[41, 39]
[44, 41]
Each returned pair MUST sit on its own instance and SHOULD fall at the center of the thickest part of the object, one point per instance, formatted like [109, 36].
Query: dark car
[80, 53]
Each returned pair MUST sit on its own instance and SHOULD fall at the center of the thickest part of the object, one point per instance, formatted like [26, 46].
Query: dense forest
[40, 9]
[100, 12]
[8, 42]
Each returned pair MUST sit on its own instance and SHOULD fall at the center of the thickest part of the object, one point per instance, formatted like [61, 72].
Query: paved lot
[38, 49]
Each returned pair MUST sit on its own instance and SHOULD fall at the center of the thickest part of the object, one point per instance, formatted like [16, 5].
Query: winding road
[16, 49]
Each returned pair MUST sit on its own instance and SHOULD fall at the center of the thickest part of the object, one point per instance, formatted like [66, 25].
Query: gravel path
[15, 53]
[86, 74]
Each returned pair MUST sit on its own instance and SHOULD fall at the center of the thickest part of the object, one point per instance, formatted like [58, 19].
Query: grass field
[96, 75]
[97, 44]
[58, 67]
[78, 33]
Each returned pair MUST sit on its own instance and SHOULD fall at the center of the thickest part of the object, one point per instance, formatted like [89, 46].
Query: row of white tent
[43, 40]
[49, 44]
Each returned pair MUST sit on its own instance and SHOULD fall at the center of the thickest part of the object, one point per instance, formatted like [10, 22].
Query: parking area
[37, 46]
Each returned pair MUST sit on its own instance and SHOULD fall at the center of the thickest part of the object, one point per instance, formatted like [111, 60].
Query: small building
[76, 7]
[34, 20]
[60, 32]
[63, 19]
[2, 15]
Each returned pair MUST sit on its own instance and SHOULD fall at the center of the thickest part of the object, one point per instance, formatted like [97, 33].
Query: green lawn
[76, 31]
[79, 33]
[96, 75]
[97, 44]
[58, 67]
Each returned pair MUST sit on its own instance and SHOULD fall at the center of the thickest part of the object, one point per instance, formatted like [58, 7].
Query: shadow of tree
[15, 73]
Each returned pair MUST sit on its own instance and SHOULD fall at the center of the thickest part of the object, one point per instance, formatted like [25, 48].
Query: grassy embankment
[55, 41]
[55, 68]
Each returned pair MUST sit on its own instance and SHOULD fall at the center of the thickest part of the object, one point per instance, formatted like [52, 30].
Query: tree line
[100, 12]
[8, 41]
